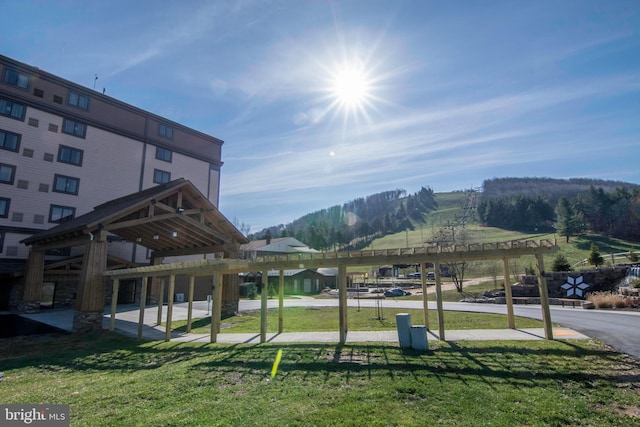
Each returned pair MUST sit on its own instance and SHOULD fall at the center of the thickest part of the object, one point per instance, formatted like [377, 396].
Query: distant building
[279, 246]
[298, 281]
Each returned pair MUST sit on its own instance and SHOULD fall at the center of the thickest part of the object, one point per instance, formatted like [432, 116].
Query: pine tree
[560, 263]
[594, 257]
[568, 221]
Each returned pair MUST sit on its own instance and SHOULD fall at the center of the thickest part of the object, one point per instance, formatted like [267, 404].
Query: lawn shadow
[523, 364]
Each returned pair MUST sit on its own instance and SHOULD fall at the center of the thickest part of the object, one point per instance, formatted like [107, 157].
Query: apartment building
[65, 149]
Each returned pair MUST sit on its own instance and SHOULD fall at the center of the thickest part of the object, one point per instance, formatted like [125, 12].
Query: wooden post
[216, 306]
[281, 302]
[143, 303]
[160, 302]
[439, 301]
[342, 301]
[508, 295]
[264, 294]
[214, 315]
[114, 304]
[219, 278]
[89, 308]
[425, 300]
[544, 297]
[33, 280]
[172, 288]
[192, 281]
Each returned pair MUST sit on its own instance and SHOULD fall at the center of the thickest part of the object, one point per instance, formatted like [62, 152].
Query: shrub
[635, 283]
[632, 302]
[606, 300]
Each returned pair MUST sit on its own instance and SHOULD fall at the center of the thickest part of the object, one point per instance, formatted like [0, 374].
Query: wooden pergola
[436, 255]
[172, 219]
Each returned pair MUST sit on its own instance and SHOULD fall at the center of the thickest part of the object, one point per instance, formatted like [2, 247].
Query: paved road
[619, 329]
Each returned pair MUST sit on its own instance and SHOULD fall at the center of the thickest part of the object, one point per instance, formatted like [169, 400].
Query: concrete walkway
[127, 324]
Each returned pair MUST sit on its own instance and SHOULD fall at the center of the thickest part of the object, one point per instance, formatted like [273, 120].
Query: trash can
[419, 338]
[403, 324]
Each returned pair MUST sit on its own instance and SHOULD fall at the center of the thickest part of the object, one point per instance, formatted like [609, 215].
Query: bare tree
[451, 235]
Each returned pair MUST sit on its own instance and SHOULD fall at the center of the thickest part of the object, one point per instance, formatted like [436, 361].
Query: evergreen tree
[594, 257]
[560, 263]
[568, 221]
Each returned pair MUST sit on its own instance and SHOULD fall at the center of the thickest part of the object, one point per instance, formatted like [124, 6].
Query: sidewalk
[127, 324]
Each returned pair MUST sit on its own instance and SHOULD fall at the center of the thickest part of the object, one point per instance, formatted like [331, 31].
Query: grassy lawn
[111, 380]
[306, 319]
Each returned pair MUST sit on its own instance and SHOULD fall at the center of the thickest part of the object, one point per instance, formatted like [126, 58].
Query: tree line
[609, 211]
[357, 223]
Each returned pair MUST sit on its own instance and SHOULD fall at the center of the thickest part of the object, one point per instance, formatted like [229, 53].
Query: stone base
[87, 322]
[27, 307]
[229, 309]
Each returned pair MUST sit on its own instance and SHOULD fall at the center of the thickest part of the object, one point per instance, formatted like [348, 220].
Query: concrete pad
[127, 324]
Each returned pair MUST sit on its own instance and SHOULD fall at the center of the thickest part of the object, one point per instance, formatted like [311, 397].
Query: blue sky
[321, 102]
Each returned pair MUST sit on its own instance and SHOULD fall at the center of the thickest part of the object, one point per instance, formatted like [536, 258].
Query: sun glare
[350, 87]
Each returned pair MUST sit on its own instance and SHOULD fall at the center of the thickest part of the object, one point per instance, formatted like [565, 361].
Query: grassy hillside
[450, 204]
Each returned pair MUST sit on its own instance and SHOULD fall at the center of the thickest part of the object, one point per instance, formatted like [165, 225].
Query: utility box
[403, 324]
[419, 338]
[179, 298]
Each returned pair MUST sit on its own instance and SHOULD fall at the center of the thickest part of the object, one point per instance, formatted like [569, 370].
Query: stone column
[90, 300]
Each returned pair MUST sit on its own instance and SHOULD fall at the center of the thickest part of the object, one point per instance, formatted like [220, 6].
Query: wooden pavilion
[172, 219]
[436, 255]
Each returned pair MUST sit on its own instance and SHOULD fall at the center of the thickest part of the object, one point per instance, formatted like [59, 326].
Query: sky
[321, 102]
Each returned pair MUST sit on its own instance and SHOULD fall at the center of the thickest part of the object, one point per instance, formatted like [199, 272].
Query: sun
[351, 87]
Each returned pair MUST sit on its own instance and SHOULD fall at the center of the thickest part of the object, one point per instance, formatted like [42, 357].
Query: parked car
[396, 292]
[414, 275]
[431, 275]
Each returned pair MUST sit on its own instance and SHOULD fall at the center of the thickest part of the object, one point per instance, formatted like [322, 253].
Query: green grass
[306, 319]
[110, 380]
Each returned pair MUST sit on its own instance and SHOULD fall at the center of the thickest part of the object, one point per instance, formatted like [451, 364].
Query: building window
[27, 152]
[57, 99]
[73, 156]
[160, 177]
[53, 128]
[9, 141]
[77, 100]
[7, 173]
[12, 109]
[165, 130]
[59, 214]
[66, 184]
[23, 184]
[163, 154]
[38, 92]
[16, 78]
[74, 128]
[17, 217]
[4, 207]
[48, 157]
[34, 122]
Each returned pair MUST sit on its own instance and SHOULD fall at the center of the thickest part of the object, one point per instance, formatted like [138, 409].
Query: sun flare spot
[351, 87]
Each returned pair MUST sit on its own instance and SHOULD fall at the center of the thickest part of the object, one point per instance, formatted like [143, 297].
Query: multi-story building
[65, 149]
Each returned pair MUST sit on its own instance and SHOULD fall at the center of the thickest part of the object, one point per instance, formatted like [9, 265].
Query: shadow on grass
[523, 364]
[604, 244]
